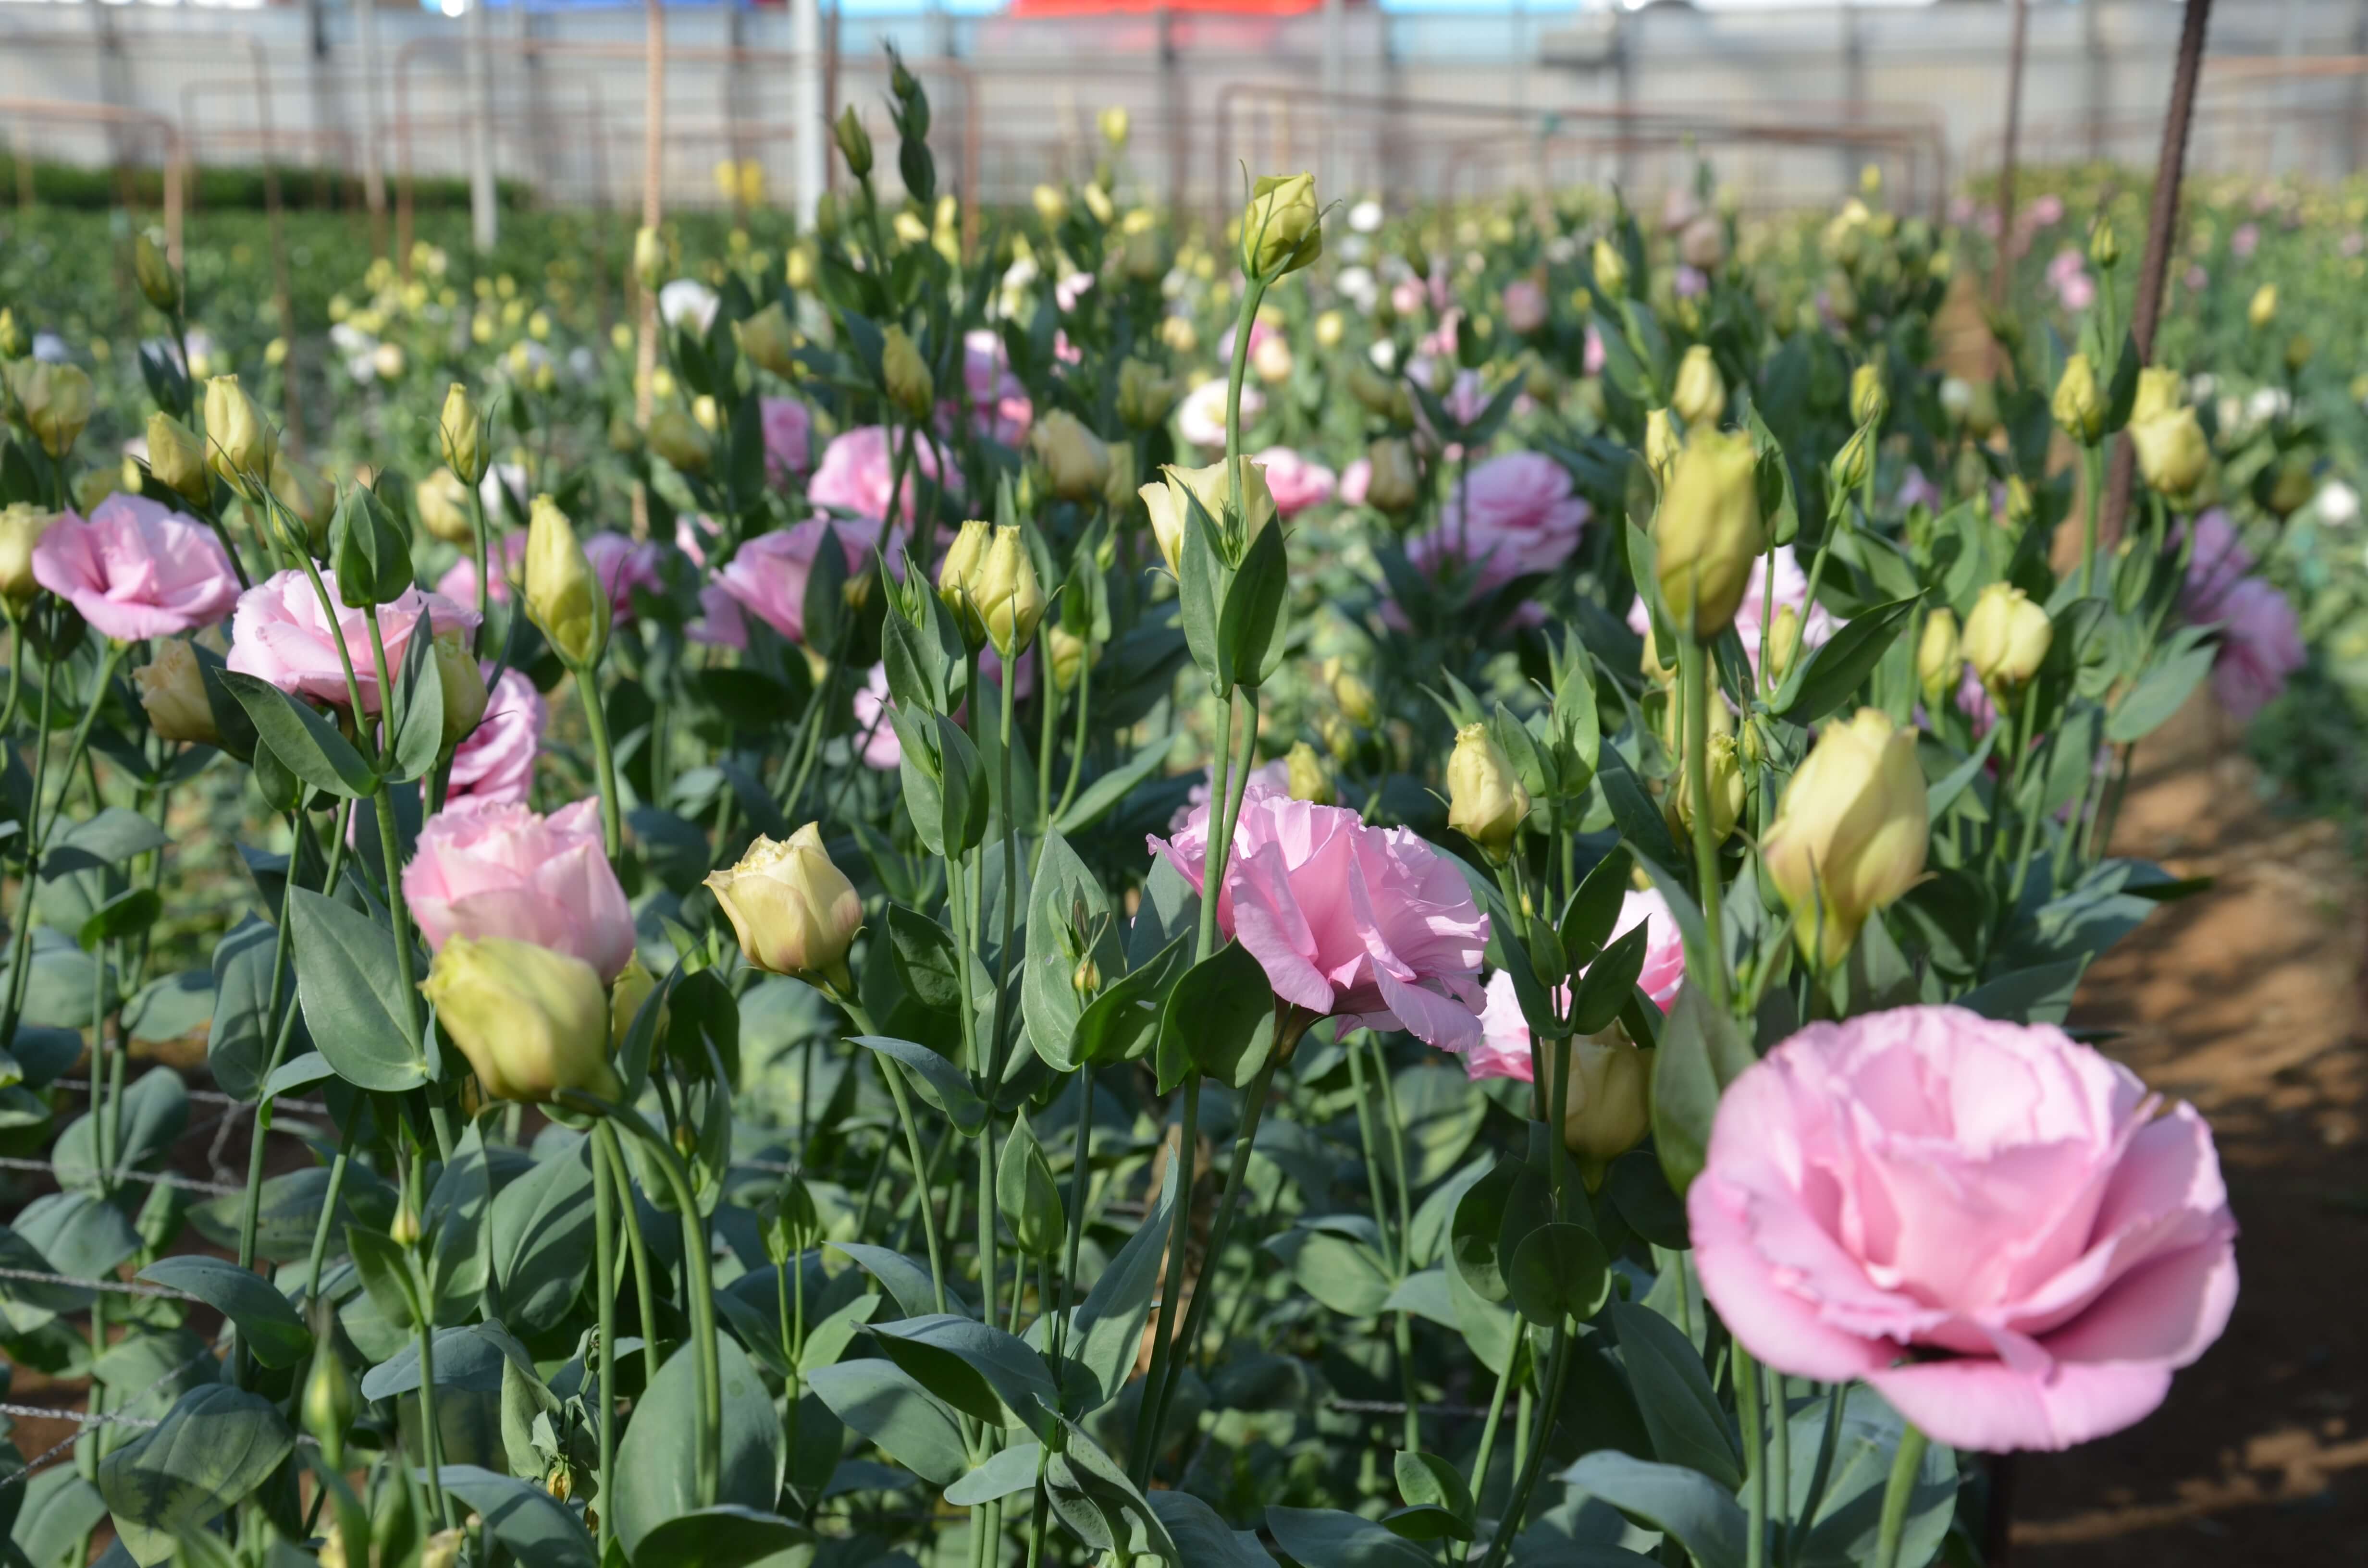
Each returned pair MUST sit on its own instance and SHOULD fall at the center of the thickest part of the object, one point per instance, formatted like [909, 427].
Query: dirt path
[2247, 1002]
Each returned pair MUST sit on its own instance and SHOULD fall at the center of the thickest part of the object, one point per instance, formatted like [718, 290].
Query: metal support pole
[2162, 221]
[1336, 46]
[484, 216]
[2100, 82]
[373, 166]
[809, 136]
[2014, 58]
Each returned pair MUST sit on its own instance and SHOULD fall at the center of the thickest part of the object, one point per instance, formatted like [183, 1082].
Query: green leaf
[906, 1278]
[1219, 1020]
[1702, 1515]
[1069, 920]
[386, 1274]
[171, 1006]
[238, 1047]
[1843, 1534]
[1559, 1271]
[726, 1535]
[1344, 1274]
[2169, 678]
[1608, 983]
[418, 709]
[353, 996]
[1012, 1469]
[1122, 1023]
[1094, 801]
[975, 1368]
[1251, 624]
[940, 1083]
[888, 1405]
[540, 1236]
[455, 1222]
[1428, 1481]
[1702, 1052]
[307, 745]
[267, 1322]
[1202, 1539]
[1326, 1538]
[1673, 1391]
[536, 1526]
[216, 1445]
[1826, 678]
[653, 1481]
[1479, 1221]
[1109, 1326]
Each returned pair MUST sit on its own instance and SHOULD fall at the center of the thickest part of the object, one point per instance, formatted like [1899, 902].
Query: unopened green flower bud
[1937, 657]
[1607, 1103]
[1027, 1195]
[1310, 779]
[1485, 799]
[563, 598]
[2006, 637]
[1850, 833]
[1707, 533]
[154, 274]
[532, 1021]
[463, 683]
[854, 142]
[1075, 460]
[2079, 405]
[1610, 269]
[910, 385]
[649, 256]
[175, 457]
[463, 434]
[682, 441]
[1281, 230]
[1009, 598]
[1870, 400]
[1699, 397]
[330, 1402]
[1855, 464]
[240, 443]
[55, 400]
[768, 340]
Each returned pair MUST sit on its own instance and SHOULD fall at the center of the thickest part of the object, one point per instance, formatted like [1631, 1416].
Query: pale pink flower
[789, 437]
[999, 408]
[1511, 516]
[1817, 624]
[854, 475]
[2260, 646]
[1989, 1222]
[768, 575]
[1590, 357]
[2047, 210]
[882, 751]
[489, 869]
[622, 565]
[719, 623]
[495, 762]
[1272, 779]
[1296, 482]
[1363, 922]
[279, 634]
[1915, 490]
[459, 582]
[693, 532]
[1504, 1048]
[1525, 306]
[137, 569]
[1356, 481]
[2245, 241]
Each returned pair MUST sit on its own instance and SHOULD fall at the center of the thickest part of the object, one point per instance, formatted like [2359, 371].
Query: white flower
[1358, 285]
[1201, 417]
[1366, 216]
[2339, 503]
[49, 347]
[686, 300]
[498, 478]
[1384, 355]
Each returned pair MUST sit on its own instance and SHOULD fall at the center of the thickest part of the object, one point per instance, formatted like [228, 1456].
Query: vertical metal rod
[2014, 58]
[2161, 220]
[808, 144]
[484, 218]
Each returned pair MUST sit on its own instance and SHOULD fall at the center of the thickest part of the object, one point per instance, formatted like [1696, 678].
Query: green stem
[2092, 469]
[1895, 1493]
[1509, 1525]
[1496, 1418]
[1229, 1203]
[21, 933]
[1822, 1470]
[1080, 1163]
[1780, 1445]
[604, 760]
[604, 1288]
[637, 1249]
[1180, 1179]
[707, 1460]
[893, 1072]
[1694, 661]
[329, 1209]
[1754, 1454]
[1252, 292]
[1077, 739]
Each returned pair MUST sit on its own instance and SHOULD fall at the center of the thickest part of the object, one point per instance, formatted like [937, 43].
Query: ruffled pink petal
[1983, 1405]
[1756, 1300]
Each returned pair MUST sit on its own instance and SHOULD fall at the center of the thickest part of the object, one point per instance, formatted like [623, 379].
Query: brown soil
[2245, 1000]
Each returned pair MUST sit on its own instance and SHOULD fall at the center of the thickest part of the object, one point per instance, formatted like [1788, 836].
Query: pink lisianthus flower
[279, 634]
[137, 569]
[1987, 1222]
[1511, 516]
[1356, 481]
[1296, 482]
[495, 762]
[1504, 1048]
[2261, 647]
[998, 406]
[789, 437]
[767, 577]
[719, 623]
[484, 869]
[459, 582]
[1273, 779]
[882, 751]
[854, 474]
[1525, 306]
[622, 565]
[1362, 922]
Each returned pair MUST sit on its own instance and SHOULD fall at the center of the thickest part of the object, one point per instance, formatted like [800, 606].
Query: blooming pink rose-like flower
[495, 762]
[719, 623]
[1273, 779]
[459, 582]
[279, 634]
[2260, 646]
[1356, 481]
[1915, 489]
[882, 752]
[2246, 240]
[484, 869]
[766, 578]
[999, 408]
[137, 569]
[1363, 922]
[1504, 1048]
[1590, 354]
[2218, 562]
[1525, 305]
[1295, 481]
[622, 565]
[1987, 1222]
[855, 470]
[2047, 210]
[1512, 516]
[789, 437]
[1817, 624]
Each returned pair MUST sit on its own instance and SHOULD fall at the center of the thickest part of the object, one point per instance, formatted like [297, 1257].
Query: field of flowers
[674, 776]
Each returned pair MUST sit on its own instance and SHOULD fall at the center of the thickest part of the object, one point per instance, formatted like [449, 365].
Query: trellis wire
[154, 1179]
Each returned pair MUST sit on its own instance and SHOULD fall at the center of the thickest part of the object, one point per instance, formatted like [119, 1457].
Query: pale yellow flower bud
[2263, 308]
[910, 385]
[768, 341]
[649, 256]
[1485, 799]
[1708, 534]
[1395, 486]
[1279, 227]
[1010, 600]
[1075, 460]
[1146, 394]
[532, 1021]
[1611, 268]
[2160, 392]
[2172, 453]
[1855, 464]
[154, 273]
[443, 501]
[1350, 691]
[1699, 397]
[682, 441]
[1870, 400]
[1310, 779]
[2006, 637]
[2079, 405]
[1171, 515]
[173, 691]
[463, 684]
[957, 576]
[1068, 653]
[564, 599]
[239, 441]
[56, 402]
[1784, 642]
[794, 912]
[1850, 833]
[21, 526]
[2104, 245]
[1607, 1102]
[175, 457]
[1114, 125]
[1052, 204]
[462, 432]
[1331, 329]
[1938, 659]
[626, 993]
[1726, 789]
[1661, 443]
